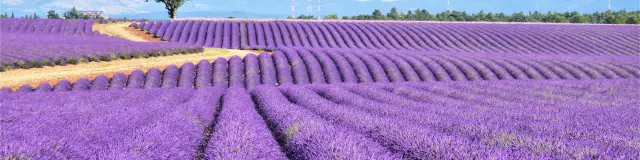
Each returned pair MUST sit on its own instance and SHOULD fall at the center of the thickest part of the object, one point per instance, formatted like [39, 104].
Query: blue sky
[134, 8]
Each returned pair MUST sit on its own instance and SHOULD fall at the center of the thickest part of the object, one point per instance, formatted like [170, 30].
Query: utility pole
[609, 5]
[319, 10]
[310, 7]
[293, 8]
[448, 5]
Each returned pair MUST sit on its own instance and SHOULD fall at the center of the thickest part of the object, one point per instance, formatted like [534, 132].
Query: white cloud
[12, 2]
[363, 0]
[29, 10]
[201, 6]
[110, 6]
[390, 0]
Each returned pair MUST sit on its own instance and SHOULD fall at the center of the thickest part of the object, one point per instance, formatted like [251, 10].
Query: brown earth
[16, 78]
[142, 34]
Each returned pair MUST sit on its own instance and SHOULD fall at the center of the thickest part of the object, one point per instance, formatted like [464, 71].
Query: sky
[282, 8]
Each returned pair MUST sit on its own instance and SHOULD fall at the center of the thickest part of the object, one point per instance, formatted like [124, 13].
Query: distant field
[458, 37]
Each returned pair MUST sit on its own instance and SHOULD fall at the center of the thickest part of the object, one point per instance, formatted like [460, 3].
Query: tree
[35, 16]
[331, 16]
[633, 19]
[480, 16]
[377, 14]
[13, 15]
[52, 15]
[171, 6]
[393, 14]
[72, 14]
[410, 15]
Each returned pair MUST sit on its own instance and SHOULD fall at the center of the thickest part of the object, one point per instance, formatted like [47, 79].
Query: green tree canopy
[171, 6]
[331, 16]
[52, 15]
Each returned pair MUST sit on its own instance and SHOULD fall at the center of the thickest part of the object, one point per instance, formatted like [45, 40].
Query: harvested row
[445, 37]
[478, 120]
[38, 50]
[75, 27]
[315, 66]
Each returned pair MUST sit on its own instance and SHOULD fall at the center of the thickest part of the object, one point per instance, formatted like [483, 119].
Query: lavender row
[453, 37]
[136, 124]
[329, 66]
[48, 26]
[38, 50]
[479, 120]
[556, 119]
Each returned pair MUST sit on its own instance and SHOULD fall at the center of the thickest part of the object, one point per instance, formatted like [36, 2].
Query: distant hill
[201, 14]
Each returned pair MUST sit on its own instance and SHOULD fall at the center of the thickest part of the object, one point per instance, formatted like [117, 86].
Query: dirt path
[16, 78]
[118, 30]
[35, 76]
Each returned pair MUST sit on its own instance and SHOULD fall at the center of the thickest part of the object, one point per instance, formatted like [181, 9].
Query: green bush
[106, 58]
[113, 56]
[72, 60]
[94, 59]
[135, 55]
[35, 63]
[144, 55]
[23, 64]
[82, 60]
[125, 56]
[47, 62]
[59, 61]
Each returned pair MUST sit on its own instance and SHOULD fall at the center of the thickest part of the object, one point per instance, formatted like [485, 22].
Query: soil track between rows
[19, 77]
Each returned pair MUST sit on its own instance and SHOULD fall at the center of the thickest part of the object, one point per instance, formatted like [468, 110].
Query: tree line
[69, 14]
[34, 16]
[607, 17]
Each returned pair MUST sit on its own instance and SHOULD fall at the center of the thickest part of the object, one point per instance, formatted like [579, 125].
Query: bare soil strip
[16, 78]
[118, 30]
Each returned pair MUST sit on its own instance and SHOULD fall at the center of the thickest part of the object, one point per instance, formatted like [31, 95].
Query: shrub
[135, 55]
[159, 53]
[106, 58]
[35, 63]
[144, 54]
[2, 68]
[7, 64]
[47, 62]
[72, 60]
[93, 58]
[23, 64]
[168, 52]
[60, 61]
[82, 60]
[125, 56]
[113, 56]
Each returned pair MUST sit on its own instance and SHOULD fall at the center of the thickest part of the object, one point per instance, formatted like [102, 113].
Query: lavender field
[18, 50]
[328, 90]
[445, 37]
[575, 119]
[37, 43]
